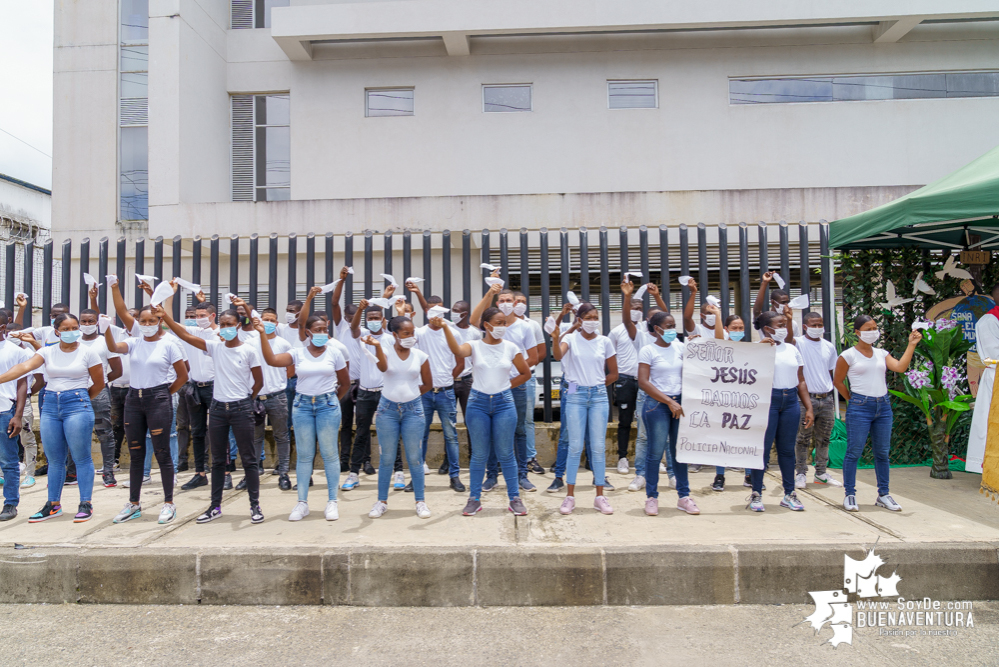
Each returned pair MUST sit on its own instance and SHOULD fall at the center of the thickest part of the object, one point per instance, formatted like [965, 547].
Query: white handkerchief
[633, 273]
[188, 285]
[380, 302]
[414, 280]
[17, 294]
[227, 298]
[254, 314]
[89, 279]
[779, 279]
[389, 278]
[713, 300]
[573, 299]
[398, 298]
[112, 280]
[550, 325]
[489, 267]
[683, 280]
[494, 281]
[162, 292]
[330, 287]
[920, 325]
[641, 291]
[149, 280]
[799, 302]
[350, 270]
[368, 353]
[103, 322]
[438, 311]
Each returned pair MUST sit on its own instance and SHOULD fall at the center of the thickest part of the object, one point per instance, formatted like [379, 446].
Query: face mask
[70, 336]
[709, 320]
[498, 332]
[190, 322]
[52, 322]
[149, 330]
[815, 332]
[270, 327]
[870, 337]
[457, 317]
[668, 336]
[88, 329]
[591, 326]
[375, 326]
[736, 335]
[520, 309]
[636, 316]
[290, 318]
[505, 308]
[320, 340]
[778, 307]
[203, 322]
[228, 333]
[407, 342]
[409, 315]
[779, 335]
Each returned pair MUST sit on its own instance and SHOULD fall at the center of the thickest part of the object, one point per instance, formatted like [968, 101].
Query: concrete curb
[493, 576]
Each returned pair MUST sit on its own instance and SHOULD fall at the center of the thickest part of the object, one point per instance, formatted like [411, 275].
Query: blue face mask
[736, 335]
[320, 340]
[70, 336]
[52, 321]
[668, 336]
[375, 326]
[270, 327]
[190, 322]
[227, 333]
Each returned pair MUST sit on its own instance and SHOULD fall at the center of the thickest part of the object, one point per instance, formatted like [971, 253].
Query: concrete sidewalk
[944, 542]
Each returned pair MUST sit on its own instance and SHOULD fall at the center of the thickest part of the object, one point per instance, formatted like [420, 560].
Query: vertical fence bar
[103, 249]
[119, 271]
[445, 265]
[10, 258]
[504, 257]
[387, 264]
[785, 254]
[563, 248]
[47, 269]
[584, 264]
[623, 248]
[292, 267]
[369, 253]
[466, 266]
[158, 258]
[310, 262]
[175, 257]
[213, 272]
[140, 267]
[643, 254]
[525, 268]
[330, 270]
[703, 287]
[67, 270]
[272, 271]
[407, 267]
[428, 266]
[485, 259]
[685, 268]
[254, 293]
[723, 270]
[604, 281]
[84, 268]
[545, 311]
[29, 277]
[764, 251]
[828, 295]
[806, 278]
[348, 260]
[745, 309]
[196, 261]
[664, 278]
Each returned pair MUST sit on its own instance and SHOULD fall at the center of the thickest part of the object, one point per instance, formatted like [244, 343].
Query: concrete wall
[25, 204]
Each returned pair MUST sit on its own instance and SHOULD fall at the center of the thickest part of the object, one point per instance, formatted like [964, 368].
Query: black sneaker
[489, 484]
[556, 485]
[445, 468]
[70, 481]
[368, 468]
[607, 485]
[284, 483]
[48, 511]
[719, 483]
[457, 485]
[409, 487]
[210, 514]
[42, 470]
[228, 482]
[275, 472]
[109, 481]
[183, 466]
[535, 467]
[256, 516]
[748, 482]
[9, 512]
[241, 485]
[85, 511]
[231, 466]
[296, 485]
[195, 482]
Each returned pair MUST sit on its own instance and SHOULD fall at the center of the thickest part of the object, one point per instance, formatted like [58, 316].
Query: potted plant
[938, 387]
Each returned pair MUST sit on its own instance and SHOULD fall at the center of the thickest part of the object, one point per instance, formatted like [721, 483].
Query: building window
[850, 88]
[633, 94]
[133, 110]
[261, 147]
[254, 13]
[389, 102]
[506, 98]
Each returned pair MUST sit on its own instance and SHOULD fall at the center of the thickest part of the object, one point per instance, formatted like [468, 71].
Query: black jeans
[238, 416]
[199, 401]
[149, 410]
[118, 395]
[275, 408]
[364, 411]
[347, 425]
[625, 397]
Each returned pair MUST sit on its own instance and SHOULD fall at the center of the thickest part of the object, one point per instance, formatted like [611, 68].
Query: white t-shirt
[820, 358]
[275, 378]
[627, 354]
[492, 365]
[152, 361]
[120, 336]
[705, 332]
[519, 333]
[317, 375]
[442, 362]
[787, 361]
[867, 375]
[404, 376]
[100, 346]
[537, 332]
[665, 367]
[352, 345]
[10, 356]
[202, 366]
[233, 378]
[584, 363]
[466, 335]
[290, 334]
[68, 370]
[371, 377]
[45, 335]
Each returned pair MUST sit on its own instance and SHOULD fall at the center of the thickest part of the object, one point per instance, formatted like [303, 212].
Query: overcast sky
[26, 87]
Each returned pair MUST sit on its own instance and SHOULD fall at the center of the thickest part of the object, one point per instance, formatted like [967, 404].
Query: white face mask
[290, 318]
[520, 309]
[815, 332]
[407, 342]
[149, 330]
[505, 308]
[457, 317]
[779, 335]
[204, 322]
[498, 332]
[88, 329]
[636, 316]
[870, 337]
[709, 320]
[591, 326]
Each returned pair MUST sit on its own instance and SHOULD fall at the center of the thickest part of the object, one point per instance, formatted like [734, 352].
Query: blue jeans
[642, 441]
[316, 418]
[867, 415]
[782, 428]
[662, 428]
[491, 420]
[532, 400]
[519, 436]
[587, 411]
[392, 422]
[443, 403]
[68, 424]
[562, 453]
[9, 460]
[174, 449]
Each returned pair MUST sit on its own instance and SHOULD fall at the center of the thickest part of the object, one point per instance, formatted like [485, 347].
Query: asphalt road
[82, 635]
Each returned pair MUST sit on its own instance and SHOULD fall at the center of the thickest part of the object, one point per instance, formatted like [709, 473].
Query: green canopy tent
[941, 215]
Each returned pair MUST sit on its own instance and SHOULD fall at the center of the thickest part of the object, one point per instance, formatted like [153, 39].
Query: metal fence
[543, 264]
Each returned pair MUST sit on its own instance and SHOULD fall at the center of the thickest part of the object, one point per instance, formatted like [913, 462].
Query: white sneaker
[422, 510]
[379, 509]
[850, 504]
[672, 482]
[824, 478]
[300, 512]
[168, 513]
[332, 511]
[426, 469]
[662, 467]
[622, 466]
[888, 503]
[800, 481]
[637, 484]
[399, 480]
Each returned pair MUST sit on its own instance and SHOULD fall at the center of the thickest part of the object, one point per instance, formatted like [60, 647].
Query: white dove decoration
[950, 269]
[893, 300]
[920, 285]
